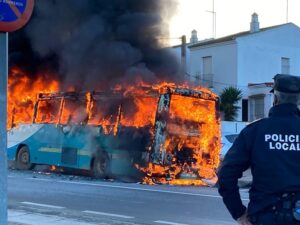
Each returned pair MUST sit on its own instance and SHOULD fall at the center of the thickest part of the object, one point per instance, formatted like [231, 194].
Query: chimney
[254, 25]
[194, 37]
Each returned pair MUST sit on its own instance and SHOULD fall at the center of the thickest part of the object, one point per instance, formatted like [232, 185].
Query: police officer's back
[271, 148]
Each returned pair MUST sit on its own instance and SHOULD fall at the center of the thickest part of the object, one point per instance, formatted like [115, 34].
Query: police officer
[271, 148]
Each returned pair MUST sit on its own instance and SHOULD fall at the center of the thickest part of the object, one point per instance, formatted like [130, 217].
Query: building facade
[248, 61]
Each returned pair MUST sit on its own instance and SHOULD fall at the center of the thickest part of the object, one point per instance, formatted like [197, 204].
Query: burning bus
[159, 134]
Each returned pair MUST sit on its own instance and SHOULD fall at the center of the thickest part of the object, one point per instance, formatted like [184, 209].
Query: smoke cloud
[97, 43]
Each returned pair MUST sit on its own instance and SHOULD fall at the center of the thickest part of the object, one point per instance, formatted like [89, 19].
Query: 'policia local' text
[286, 142]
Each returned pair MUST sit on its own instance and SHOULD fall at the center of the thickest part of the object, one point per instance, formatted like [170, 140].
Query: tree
[228, 100]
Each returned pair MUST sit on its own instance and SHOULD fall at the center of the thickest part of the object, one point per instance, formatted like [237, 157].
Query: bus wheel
[101, 165]
[23, 159]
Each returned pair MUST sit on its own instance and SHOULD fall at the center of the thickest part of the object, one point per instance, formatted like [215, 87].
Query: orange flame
[193, 128]
[22, 94]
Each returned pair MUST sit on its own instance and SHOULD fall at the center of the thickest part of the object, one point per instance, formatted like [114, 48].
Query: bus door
[45, 145]
[74, 131]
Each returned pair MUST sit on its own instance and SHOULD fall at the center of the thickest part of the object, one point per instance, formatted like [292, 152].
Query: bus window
[48, 111]
[106, 113]
[74, 111]
[139, 111]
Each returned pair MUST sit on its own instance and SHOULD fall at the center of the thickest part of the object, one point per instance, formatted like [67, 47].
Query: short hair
[283, 97]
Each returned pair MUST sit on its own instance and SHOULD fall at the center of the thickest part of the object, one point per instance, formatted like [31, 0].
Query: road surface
[97, 201]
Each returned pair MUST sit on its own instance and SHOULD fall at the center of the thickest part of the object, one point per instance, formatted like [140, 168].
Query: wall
[253, 58]
[259, 54]
[259, 58]
[224, 67]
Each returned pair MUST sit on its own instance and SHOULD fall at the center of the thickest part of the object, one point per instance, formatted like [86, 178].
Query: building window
[245, 110]
[257, 107]
[207, 71]
[285, 65]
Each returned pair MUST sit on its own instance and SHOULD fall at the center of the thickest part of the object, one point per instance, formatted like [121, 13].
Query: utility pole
[287, 11]
[12, 19]
[3, 120]
[183, 53]
[214, 16]
[214, 19]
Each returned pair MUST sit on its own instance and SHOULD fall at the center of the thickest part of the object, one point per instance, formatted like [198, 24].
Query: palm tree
[228, 100]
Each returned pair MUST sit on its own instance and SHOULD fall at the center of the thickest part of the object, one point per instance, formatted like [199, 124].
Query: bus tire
[101, 166]
[23, 159]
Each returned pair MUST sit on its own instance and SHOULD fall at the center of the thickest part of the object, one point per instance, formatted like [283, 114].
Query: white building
[183, 52]
[247, 60]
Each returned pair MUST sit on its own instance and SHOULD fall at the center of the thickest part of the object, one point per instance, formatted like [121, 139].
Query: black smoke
[97, 43]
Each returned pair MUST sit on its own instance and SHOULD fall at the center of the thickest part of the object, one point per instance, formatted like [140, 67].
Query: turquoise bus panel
[75, 146]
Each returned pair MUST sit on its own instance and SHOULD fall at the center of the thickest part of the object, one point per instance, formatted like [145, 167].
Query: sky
[232, 16]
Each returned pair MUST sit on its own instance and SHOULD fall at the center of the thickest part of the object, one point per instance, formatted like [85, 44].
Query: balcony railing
[207, 80]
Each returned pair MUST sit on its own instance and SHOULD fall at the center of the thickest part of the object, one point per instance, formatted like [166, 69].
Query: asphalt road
[98, 201]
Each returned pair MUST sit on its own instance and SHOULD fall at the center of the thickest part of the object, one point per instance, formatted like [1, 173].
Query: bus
[165, 132]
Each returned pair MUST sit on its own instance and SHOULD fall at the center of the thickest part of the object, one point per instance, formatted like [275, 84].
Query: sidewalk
[19, 217]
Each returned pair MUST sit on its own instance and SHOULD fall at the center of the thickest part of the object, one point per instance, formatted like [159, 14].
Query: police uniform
[271, 148]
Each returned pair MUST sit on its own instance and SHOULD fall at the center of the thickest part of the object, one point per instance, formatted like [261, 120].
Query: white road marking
[169, 223]
[108, 214]
[132, 188]
[128, 188]
[43, 205]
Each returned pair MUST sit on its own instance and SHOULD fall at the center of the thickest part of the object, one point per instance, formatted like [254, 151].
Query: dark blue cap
[286, 83]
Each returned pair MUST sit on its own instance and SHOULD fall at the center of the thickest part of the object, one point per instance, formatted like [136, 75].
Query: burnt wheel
[101, 166]
[23, 159]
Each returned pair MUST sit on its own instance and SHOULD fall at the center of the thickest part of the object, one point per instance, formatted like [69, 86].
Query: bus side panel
[74, 147]
[49, 144]
[84, 159]
[79, 144]
[44, 145]
[12, 152]
[20, 135]
[125, 150]
[122, 164]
